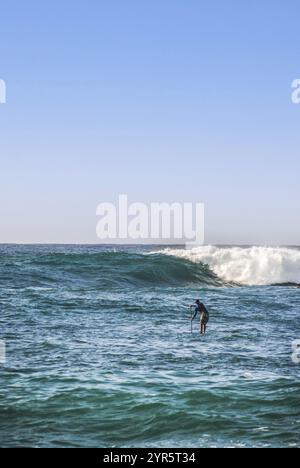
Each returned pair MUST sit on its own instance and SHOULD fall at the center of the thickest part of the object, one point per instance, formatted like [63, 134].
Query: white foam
[248, 266]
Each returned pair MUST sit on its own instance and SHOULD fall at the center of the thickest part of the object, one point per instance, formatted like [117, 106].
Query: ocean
[100, 352]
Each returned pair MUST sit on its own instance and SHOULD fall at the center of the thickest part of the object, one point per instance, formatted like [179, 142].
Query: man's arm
[194, 316]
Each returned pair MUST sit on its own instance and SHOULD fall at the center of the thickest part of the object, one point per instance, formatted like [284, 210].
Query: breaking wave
[246, 266]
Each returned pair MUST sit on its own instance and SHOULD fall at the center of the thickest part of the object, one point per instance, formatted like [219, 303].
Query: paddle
[191, 321]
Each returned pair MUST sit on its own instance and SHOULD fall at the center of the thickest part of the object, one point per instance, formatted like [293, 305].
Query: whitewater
[252, 266]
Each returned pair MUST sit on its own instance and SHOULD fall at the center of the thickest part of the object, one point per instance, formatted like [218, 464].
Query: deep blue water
[99, 352]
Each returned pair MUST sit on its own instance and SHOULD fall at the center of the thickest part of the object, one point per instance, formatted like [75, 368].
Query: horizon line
[141, 244]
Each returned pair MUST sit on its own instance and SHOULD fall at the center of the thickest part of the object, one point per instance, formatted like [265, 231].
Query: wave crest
[251, 266]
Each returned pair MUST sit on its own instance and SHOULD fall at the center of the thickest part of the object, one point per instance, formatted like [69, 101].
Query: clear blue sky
[164, 100]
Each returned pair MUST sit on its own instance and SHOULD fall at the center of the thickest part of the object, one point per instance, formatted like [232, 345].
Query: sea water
[100, 351]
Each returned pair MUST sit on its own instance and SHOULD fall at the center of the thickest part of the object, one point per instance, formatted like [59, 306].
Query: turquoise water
[100, 352]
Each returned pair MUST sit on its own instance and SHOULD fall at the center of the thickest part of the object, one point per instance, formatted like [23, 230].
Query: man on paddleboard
[204, 315]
